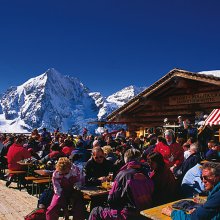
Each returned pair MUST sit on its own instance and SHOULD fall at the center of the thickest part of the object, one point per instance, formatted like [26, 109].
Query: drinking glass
[196, 198]
[110, 177]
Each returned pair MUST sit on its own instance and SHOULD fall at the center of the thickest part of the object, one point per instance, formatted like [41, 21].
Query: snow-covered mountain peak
[118, 99]
[124, 95]
[53, 100]
[53, 71]
[53, 76]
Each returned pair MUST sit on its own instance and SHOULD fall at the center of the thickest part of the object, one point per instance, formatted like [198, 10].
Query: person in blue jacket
[192, 182]
[210, 210]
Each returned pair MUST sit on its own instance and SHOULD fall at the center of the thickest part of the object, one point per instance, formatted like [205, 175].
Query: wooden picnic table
[45, 173]
[94, 191]
[48, 173]
[96, 195]
[204, 161]
[44, 180]
[155, 213]
[27, 164]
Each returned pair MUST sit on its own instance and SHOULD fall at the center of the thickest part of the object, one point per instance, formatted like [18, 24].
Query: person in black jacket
[97, 167]
[131, 191]
[190, 162]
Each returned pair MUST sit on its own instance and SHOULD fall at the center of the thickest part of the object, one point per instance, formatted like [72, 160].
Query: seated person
[45, 136]
[35, 135]
[16, 153]
[162, 148]
[210, 209]
[97, 167]
[212, 153]
[33, 144]
[80, 150]
[110, 142]
[68, 147]
[186, 148]
[149, 149]
[165, 185]
[34, 155]
[5, 145]
[131, 191]
[190, 162]
[109, 155]
[192, 182]
[176, 151]
[119, 163]
[55, 153]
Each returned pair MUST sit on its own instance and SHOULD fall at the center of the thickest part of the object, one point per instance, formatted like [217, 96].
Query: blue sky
[107, 44]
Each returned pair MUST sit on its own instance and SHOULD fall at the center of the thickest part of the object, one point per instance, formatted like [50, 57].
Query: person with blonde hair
[63, 179]
[109, 155]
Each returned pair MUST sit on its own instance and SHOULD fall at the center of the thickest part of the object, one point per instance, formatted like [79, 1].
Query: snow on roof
[215, 73]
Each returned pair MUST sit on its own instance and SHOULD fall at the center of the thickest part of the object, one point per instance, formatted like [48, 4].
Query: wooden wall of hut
[177, 96]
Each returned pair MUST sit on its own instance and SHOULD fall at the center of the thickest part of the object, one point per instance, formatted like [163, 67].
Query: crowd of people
[147, 171]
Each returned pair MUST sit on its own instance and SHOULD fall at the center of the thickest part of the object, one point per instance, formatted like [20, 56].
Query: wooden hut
[179, 92]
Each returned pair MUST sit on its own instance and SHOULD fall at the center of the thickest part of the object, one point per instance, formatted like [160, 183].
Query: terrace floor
[15, 204]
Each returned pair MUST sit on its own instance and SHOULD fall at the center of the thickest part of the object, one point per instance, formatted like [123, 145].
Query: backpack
[36, 214]
[141, 189]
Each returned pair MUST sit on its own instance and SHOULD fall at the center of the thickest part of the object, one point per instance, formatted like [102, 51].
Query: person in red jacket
[176, 151]
[162, 148]
[16, 153]
[68, 147]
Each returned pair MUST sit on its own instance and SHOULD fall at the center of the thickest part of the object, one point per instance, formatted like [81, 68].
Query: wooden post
[219, 135]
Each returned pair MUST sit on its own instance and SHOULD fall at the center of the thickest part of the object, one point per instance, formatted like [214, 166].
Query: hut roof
[212, 77]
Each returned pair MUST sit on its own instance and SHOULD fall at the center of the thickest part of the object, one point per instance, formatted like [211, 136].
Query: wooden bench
[31, 178]
[3, 167]
[17, 176]
[17, 172]
[38, 183]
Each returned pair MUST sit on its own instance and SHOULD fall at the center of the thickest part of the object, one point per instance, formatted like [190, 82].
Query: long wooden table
[47, 173]
[94, 191]
[204, 161]
[95, 195]
[26, 164]
[155, 213]
[45, 179]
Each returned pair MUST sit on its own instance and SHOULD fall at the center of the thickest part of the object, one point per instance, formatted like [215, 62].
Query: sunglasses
[100, 157]
[206, 178]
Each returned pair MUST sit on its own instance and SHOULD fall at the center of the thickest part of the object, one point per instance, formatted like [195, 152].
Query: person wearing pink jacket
[63, 179]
